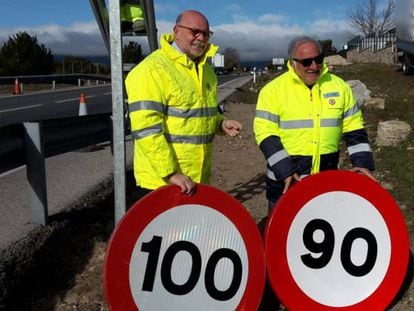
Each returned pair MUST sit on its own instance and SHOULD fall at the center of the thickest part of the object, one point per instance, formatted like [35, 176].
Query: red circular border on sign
[282, 216]
[117, 260]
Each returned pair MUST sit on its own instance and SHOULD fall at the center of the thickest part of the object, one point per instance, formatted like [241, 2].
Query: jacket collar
[166, 42]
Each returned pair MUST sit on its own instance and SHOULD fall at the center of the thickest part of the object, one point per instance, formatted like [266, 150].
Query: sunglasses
[197, 32]
[306, 62]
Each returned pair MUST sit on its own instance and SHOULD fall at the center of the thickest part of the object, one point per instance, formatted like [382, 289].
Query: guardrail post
[36, 172]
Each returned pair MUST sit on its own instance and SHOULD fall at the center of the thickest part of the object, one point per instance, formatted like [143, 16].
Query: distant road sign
[218, 60]
[278, 61]
[177, 252]
[336, 240]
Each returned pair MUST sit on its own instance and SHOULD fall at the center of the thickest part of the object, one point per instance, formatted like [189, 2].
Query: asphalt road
[69, 177]
[53, 105]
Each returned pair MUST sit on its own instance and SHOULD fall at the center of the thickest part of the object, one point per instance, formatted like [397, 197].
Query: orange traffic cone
[16, 88]
[82, 105]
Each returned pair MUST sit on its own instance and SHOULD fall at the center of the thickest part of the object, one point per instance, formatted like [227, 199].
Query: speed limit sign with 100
[336, 240]
[177, 252]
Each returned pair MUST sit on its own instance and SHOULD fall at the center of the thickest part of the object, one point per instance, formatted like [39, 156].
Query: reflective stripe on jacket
[174, 115]
[295, 121]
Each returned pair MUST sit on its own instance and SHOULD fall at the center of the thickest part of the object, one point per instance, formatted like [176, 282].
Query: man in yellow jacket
[301, 117]
[173, 109]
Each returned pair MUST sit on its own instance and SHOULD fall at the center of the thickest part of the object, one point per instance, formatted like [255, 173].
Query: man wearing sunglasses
[301, 117]
[173, 109]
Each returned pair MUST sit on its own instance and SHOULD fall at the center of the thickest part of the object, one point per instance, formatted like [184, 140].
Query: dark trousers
[136, 194]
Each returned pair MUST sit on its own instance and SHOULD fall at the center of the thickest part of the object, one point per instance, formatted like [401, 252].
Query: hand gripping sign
[177, 252]
[336, 241]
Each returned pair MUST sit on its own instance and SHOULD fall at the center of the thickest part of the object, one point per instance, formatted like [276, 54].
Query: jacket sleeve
[146, 88]
[266, 130]
[278, 161]
[359, 149]
[354, 134]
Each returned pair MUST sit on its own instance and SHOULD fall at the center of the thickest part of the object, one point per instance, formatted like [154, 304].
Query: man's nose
[314, 65]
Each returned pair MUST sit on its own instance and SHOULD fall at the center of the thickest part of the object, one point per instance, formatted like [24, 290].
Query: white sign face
[338, 249]
[218, 60]
[201, 266]
[278, 61]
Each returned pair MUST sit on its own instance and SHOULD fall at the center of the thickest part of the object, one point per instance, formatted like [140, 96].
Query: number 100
[153, 248]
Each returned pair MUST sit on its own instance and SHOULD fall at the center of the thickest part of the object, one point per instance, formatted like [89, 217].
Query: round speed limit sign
[177, 252]
[336, 240]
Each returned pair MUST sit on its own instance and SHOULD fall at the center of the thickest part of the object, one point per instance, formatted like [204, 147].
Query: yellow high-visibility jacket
[130, 12]
[299, 129]
[174, 115]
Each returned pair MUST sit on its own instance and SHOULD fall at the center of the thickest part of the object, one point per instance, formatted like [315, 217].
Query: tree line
[22, 54]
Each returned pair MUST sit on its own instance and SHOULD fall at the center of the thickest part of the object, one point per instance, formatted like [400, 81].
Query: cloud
[262, 38]
[271, 19]
[269, 35]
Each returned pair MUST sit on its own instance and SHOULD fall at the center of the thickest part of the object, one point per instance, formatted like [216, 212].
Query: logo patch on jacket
[331, 94]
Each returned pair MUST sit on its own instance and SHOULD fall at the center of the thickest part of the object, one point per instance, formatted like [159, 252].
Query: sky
[259, 30]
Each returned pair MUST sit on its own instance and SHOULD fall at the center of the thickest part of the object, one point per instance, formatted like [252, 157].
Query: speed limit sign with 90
[177, 252]
[336, 241]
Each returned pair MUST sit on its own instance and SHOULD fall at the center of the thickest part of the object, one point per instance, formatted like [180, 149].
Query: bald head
[190, 14]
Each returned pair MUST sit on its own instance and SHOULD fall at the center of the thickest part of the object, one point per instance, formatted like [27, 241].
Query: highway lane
[53, 104]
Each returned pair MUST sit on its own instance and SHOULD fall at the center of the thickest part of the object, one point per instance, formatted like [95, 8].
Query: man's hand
[290, 180]
[185, 183]
[231, 127]
[363, 171]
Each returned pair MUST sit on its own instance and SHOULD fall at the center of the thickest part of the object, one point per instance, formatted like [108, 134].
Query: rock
[360, 91]
[391, 133]
[375, 103]
[334, 60]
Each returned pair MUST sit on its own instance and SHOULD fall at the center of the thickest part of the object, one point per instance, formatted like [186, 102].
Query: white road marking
[21, 108]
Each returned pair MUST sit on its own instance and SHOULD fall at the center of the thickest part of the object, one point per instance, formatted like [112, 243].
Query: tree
[327, 48]
[22, 55]
[231, 58]
[132, 53]
[366, 18]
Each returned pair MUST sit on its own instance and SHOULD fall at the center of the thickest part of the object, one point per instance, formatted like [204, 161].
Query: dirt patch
[66, 272]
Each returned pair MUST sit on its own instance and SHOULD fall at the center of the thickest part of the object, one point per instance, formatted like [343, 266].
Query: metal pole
[117, 108]
[149, 16]
[101, 15]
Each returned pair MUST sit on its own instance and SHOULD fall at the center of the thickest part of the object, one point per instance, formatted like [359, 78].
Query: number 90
[326, 247]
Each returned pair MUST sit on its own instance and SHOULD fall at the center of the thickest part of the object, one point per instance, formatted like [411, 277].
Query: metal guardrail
[60, 78]
[30, 143]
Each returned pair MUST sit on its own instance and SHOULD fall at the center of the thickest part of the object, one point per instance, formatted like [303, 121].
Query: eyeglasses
[197, 32]
[306, 62]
